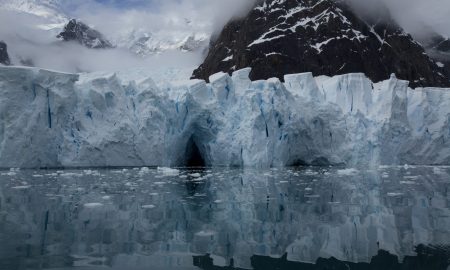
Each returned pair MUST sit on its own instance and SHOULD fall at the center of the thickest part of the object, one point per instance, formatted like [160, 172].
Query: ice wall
[51, 119]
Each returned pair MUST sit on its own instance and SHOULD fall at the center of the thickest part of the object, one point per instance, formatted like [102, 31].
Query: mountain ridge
[77, 31]
[324, 37]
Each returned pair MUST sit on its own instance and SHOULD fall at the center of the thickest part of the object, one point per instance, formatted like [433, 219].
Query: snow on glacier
[53, 119]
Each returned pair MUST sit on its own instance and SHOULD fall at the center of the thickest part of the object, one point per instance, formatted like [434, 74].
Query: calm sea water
[302, 218]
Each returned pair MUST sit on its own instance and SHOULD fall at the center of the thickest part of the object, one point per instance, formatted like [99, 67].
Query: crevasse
[52, 119]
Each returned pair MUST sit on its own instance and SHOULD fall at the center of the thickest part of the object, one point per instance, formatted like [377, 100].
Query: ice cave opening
[193, 155]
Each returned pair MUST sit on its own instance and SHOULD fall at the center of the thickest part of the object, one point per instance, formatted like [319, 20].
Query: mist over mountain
[139, 31]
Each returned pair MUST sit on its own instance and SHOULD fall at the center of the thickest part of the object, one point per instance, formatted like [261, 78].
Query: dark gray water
[213, 218]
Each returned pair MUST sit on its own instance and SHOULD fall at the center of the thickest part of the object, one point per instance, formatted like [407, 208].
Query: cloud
[415, 16]
[27, 43]
[168, 19]
[208, 15]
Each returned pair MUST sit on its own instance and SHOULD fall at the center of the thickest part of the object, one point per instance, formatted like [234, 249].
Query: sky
[214, 13]
[410, 13]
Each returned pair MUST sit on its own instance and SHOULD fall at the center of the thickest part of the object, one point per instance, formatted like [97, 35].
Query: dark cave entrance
[193, 155]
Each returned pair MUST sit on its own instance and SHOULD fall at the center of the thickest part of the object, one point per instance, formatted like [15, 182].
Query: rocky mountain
[4, 57]
[438, 48]
[325, 37]
[85, 35]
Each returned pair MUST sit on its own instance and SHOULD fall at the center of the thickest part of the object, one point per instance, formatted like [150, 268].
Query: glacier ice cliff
[52, 119]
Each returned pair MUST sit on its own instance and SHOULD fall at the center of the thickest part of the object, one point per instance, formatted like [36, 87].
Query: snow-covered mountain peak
[326, 37]
[83, 34]
[51, 10]
[146, 42]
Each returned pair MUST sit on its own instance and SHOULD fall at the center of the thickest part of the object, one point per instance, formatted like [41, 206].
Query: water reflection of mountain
[426, 258]
[134, 218]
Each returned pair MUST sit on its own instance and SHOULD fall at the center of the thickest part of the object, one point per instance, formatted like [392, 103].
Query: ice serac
[303, 85]
[52, 119]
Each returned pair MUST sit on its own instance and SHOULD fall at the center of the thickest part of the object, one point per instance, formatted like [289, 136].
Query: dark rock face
[438, 47]
[4, 57]
[325, 37]
[436, 42]
[83, 34]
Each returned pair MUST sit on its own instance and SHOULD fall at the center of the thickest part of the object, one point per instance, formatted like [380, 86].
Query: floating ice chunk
[408, 183]
[394, 194]
[70, 174]
[168, 171]
[438, 170]
[93, 205]
[143, 171]
[350, 171]
[310, 172]
[91, 172]
[21, 187]
[205, 233]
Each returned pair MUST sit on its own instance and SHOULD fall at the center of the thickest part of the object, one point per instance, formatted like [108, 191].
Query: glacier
[54, 119]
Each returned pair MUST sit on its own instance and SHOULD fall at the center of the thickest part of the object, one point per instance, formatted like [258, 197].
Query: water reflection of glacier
[133, 218]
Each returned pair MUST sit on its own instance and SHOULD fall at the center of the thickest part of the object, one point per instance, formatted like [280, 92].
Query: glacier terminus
[53, 119]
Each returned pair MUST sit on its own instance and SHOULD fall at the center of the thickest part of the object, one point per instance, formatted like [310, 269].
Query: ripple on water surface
[212, 218]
